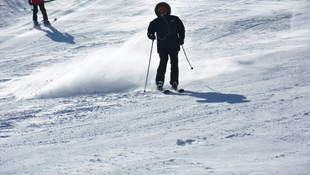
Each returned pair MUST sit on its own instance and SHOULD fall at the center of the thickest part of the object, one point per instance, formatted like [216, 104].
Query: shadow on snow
[57, 36]
[216, 97]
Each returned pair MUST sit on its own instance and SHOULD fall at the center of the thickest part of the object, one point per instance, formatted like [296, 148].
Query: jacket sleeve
[181, 29]
[151, 29]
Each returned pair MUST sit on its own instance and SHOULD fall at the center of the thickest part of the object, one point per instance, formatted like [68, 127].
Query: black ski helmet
[162, 4]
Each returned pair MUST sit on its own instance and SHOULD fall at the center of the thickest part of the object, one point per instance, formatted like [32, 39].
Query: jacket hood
[162, 4]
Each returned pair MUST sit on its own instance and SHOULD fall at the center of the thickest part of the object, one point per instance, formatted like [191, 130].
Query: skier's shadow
[216, 97]
[57, 36]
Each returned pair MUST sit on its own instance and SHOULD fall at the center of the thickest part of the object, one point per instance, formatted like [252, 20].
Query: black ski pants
[174, 61]
[42, 9]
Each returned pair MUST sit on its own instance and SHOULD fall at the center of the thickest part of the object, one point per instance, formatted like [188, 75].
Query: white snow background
[72, 101]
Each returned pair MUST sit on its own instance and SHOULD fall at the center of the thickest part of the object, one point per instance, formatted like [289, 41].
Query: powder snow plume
[105, 70]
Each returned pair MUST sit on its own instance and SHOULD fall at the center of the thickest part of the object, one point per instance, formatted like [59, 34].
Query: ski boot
[160, 85]
[35, 23]
[174, 86]
[46, 23]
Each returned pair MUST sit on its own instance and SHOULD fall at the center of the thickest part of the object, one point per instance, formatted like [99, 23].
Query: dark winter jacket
[35, 1]
[170, 32]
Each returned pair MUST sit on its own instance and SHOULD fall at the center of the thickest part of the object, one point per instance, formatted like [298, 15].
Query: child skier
[170, 33]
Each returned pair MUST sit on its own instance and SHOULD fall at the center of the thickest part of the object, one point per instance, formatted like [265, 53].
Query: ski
[174, 86]
[38, 26]
[166, 91]
[47, 1]
[180, 90]
[162, 90]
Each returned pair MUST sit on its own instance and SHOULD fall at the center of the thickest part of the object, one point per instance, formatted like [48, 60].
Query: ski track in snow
[71, 99]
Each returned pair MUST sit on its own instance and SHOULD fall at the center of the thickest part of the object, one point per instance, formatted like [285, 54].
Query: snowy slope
[72, 101]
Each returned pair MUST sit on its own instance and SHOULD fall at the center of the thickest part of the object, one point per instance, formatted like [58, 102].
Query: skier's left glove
[181, 41]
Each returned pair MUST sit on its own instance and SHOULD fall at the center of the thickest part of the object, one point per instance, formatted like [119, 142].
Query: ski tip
[166, 91]
[181, 90]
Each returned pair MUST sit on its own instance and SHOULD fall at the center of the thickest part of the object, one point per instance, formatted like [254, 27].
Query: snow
[72, 101]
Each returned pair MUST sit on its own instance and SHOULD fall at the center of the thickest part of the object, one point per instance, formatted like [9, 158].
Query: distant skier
[35, 4]
[170, 33]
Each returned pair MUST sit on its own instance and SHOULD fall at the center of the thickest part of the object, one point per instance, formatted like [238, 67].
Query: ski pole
[148, 69]
[187, 58]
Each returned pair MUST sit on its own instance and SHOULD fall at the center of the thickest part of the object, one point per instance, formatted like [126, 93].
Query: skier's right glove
[151, 36]
[30, 3]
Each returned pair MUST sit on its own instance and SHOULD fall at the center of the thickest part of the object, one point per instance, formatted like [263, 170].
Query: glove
[151, 36]
[181, 41]
[30, 3]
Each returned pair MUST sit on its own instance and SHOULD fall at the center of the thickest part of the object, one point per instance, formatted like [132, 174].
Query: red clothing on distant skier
[35, 1]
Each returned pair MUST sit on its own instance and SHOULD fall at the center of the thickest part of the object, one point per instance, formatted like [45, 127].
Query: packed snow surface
[72, 100]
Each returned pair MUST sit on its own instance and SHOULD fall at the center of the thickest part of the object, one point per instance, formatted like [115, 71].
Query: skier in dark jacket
[170, 34]
[35, 4]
